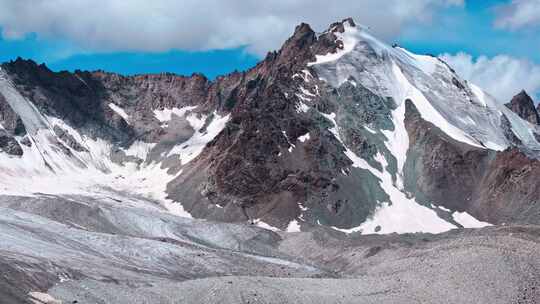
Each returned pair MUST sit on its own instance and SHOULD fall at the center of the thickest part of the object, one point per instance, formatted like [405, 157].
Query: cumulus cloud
[502, 76]
[518, 14]
[158, 25]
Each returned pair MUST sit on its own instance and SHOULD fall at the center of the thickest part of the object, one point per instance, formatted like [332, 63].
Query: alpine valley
[337, 170]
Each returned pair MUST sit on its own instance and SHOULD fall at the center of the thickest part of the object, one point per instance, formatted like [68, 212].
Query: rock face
[334, 129]
[523, 105]
[497, 187]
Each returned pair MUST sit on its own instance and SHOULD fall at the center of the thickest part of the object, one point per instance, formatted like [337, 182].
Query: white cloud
[158, 25]
[502, 76]
[518, 14]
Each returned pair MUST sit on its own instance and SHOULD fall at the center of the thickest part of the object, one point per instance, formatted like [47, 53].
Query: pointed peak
[302, 29]
[340, 25]
[303, 46]
[523, 105]
[523, 93]
[301, 40]
[350, 21]
[523, 98]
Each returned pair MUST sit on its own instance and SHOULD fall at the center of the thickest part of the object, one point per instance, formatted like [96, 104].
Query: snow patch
[305, 75]
[166, 114]
[301, 107]
[480, 96]
[405, 90]
[304, 137]
[191, 148]
[139, 149]
[370, 130]
[444, 209]
[349, 39]
[293, 226]
[36, 297]
[121, 112]
[428, 64]
[401, 214]
[266, 226]
[468, 221]
[291, 145]
[306, 92]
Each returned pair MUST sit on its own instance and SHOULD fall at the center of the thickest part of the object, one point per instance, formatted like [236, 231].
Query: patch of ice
[27, 111]
[191, 148]
[334, 129]
[480, 96]
[305, 75]
[304, 137]
[166, 114]
[405, 90]
[121, 112]
[468, 221]
[401, 214]
[349, 39]
[444, 209]
[279, 261]
[49, 166]
[464, 112]
[176, 208]
[302, 97]
[293, 226]
[306, 92]
[301, 107]
[291, 145]
[266, 226]
[370, 130]
[36, 297]
[494, 146]
[139, 149]
[428, 64]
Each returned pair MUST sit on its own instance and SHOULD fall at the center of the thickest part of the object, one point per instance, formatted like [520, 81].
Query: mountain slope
[335, 129]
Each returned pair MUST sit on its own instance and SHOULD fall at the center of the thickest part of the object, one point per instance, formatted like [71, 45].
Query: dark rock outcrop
[523, 105]
[496, 187]
[9, 145]
[509, 190]
[439, 168]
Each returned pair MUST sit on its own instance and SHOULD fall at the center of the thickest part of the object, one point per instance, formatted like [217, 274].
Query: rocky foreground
[88, 250]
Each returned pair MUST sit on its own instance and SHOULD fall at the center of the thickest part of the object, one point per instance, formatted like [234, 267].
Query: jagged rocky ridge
[334, 129]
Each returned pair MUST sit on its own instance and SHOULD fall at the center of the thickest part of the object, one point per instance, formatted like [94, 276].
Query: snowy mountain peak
[335, 129]
[461, 109]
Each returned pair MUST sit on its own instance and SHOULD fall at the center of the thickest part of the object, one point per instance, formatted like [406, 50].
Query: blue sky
[473, 33]
[61, 55]
[471, 29]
